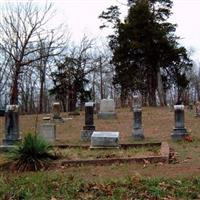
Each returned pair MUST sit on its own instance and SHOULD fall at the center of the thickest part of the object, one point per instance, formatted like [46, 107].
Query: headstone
[104, 139]
[56, 109]
[107, 109]
[138, 133]
[11, 125]
[136, 102]
[179, 131]
[48, 132]
[89, 127]
[197, 109]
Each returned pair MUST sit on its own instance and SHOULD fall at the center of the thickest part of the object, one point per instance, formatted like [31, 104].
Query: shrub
[31, 154]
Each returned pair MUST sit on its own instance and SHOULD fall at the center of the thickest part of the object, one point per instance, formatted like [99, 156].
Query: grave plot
[72, 155]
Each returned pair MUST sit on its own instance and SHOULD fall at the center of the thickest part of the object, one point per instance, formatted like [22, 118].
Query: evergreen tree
[69, 84]
[146, 54]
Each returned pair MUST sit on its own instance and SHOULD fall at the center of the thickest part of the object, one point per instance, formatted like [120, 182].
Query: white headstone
[105, 139]
[89, 104]
[107, 105]
[48, 132]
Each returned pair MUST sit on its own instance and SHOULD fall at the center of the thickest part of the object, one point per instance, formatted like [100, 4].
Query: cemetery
[89, 114]
[126, 155]
[114, 138]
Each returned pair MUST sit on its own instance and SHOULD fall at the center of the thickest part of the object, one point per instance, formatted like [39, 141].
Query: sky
[81, 17]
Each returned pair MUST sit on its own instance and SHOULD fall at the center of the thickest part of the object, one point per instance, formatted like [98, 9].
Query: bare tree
[21, 27]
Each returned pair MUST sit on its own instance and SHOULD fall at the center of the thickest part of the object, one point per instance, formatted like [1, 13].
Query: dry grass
[78, 153]
[157, 123]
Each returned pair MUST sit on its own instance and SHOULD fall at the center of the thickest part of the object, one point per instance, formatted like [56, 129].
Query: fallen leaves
[188, 138]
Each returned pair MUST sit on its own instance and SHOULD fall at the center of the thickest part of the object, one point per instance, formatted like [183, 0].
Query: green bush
[31, 154]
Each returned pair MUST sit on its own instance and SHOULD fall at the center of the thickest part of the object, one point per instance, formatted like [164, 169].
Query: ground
[157, 123]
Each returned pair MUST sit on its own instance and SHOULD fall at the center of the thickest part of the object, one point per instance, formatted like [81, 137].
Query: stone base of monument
[57, 119]
[86, 135]
[179, 133]
[104, 139]
[138, 134]
[4, 148]
[87, 132]
[107, 115]
[48, 132]
[8, 142]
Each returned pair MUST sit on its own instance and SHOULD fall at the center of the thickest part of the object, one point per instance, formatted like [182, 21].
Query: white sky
[81, 16]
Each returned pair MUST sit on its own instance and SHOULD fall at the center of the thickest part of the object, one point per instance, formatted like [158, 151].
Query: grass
[178, 180]
[55, 185]
[33, 153]
[74, 153]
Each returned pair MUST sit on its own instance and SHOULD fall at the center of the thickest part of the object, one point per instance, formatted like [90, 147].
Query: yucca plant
[32, 154]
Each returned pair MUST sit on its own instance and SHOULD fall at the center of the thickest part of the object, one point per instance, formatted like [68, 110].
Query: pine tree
[146, 52]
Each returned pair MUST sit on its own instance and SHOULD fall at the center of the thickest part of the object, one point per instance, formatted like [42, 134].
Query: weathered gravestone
[12, 134]
[89, 127]
[56, 110]
[48, 132]
[107, 109]
[179, 131]
[136, 101]
[104, 139]
[138, 133]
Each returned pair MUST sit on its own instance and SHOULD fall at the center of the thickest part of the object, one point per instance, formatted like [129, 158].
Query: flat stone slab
[104, 139]
[46, 118]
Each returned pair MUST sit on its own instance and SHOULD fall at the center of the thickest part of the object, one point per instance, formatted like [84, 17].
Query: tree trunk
[152, 85]
[123, 97]
[160, 88]
[15, 91]
[41, 95]
[72, 101]
[101, 79]
[93, 86]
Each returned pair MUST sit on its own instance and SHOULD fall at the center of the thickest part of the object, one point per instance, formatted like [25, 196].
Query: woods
[40, 63]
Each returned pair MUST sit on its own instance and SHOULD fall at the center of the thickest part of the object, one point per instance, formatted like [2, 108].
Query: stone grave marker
[138, 133]
[136, 102]
[48, 132]
[179, 131]
[89, 127]
[104, 139]
[56, 110]
[107, 109]
[12, 134]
